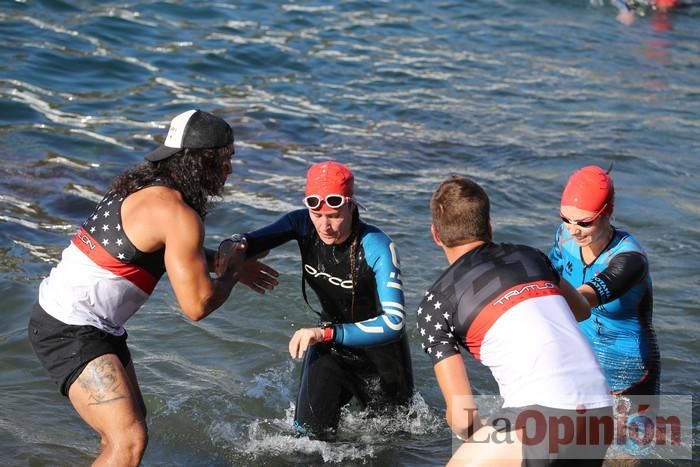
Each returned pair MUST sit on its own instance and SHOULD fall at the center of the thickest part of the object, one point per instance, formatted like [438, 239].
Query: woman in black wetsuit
[359, 348]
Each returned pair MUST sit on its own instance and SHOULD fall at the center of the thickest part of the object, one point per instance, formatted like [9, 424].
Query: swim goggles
[585, 223]
[332, 201]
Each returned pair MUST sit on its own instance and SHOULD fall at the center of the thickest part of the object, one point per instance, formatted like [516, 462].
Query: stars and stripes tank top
[102, 278]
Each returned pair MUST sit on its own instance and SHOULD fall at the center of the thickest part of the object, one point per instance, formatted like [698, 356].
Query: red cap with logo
[329, 178]
[590, 189]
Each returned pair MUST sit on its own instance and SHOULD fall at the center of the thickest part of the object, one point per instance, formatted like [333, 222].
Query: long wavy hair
[198, 174]
[354, 249]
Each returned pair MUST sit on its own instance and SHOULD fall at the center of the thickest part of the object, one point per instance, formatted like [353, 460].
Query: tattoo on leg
[99, 379]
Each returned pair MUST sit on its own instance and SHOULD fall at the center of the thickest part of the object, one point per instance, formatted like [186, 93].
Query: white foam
[273, 382]
[268, 438]
[361, 433]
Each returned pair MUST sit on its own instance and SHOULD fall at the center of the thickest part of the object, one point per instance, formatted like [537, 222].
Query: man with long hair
[149, 222]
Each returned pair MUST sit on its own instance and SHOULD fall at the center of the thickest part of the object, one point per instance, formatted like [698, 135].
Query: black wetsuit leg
[325, 387]
[393, 365]
[379, 379]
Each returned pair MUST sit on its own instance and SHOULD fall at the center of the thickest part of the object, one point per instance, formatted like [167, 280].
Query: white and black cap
[194, 129]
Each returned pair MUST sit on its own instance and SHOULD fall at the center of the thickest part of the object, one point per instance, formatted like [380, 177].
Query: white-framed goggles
[332, 200]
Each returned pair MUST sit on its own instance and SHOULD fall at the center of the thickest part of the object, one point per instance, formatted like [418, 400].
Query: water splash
[417, 418]
[362, 434]
[273, 383]
[276, 438]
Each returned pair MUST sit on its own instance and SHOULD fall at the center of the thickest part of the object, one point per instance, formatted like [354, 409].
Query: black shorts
[543, 425]
[64, 349]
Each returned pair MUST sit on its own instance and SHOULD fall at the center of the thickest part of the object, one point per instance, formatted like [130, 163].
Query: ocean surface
[516, 94]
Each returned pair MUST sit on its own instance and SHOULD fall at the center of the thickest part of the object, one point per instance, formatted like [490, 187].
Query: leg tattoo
[100, 381]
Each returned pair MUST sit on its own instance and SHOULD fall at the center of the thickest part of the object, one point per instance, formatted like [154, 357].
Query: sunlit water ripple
[515, 94]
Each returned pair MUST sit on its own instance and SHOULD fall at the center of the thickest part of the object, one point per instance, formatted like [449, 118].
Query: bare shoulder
[155, 202]
[156, 194]
[151, 215]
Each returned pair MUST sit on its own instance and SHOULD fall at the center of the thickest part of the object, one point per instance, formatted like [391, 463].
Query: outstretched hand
[230, 257]
[258, 276]
[303, 339]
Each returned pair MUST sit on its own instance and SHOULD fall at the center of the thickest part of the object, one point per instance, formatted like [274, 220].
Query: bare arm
[188, 268]
[462, 412]
[210, 255]
[577, 302]
[589, 294]
[157, 218]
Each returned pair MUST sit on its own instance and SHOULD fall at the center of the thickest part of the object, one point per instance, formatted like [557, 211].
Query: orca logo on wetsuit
[346, 284]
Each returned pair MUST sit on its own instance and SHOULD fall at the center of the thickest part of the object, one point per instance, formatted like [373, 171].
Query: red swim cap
[666, 4]
[329, 178]
[590, 189]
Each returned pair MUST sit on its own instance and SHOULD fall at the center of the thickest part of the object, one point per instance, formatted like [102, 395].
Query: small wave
[38, 99]
[36, 225]
[40, 252]
[68, 162]
[307, 9]
[40, 24]
[86, 192]
[258, 201]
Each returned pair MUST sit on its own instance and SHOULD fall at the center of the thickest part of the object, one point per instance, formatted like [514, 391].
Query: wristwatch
[236, 238]
[328, 332]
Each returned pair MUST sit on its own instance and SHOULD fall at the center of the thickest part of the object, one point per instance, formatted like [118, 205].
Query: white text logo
[528, 288]
[346, 284]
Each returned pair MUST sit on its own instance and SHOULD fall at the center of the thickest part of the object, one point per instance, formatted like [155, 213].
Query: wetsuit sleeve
[436, 329]
[555, 253]
[382, 257]
[624, 271]
[291, 226]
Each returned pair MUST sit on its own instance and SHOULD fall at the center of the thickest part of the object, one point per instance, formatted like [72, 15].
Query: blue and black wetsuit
[358, 284]
[619, 329]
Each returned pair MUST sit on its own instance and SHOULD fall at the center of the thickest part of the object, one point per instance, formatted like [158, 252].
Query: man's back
[502, 302]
